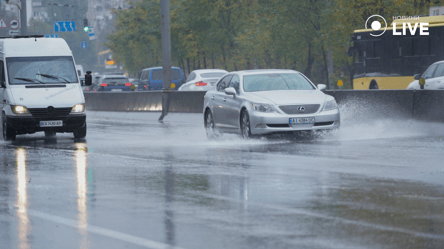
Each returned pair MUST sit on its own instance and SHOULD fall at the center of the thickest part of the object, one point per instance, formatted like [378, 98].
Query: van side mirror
[88, 78]
[417, 76]
[2, 84]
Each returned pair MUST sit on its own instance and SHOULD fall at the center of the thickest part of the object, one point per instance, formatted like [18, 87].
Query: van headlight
[263, 108]
[79, 108]
[330, 105]
[19, 109]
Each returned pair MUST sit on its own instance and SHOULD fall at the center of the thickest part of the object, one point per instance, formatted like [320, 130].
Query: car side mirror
[417, 76]
[322, 87]
[88, 78]
[230, 91]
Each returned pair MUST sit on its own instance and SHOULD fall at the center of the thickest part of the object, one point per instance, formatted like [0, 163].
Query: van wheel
[8, 133]
[80, 133]
[50, 133]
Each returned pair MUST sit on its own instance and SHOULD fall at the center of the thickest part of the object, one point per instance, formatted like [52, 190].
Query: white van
[39, 87]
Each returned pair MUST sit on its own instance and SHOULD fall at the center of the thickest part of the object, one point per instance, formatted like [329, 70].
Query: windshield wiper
[30, 80]
[53, 76]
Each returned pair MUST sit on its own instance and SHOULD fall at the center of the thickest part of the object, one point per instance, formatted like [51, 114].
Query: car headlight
[330, 105]
[263, 107]
[19, 109]
[79, 108]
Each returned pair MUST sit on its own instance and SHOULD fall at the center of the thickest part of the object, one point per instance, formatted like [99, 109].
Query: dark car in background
[152, 79]
[113, 83]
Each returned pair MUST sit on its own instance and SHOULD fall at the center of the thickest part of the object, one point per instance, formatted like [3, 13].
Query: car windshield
[212, 75]
[276, 81]
[38, 70]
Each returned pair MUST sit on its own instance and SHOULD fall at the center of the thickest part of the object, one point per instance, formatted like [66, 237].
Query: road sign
[14, 32]
[91, 31]
[64, 26]
[14, 24]
[84, 45]
[3, 24]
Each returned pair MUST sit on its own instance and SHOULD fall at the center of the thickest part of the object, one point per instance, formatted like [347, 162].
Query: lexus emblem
[51, 110]
[301, 109]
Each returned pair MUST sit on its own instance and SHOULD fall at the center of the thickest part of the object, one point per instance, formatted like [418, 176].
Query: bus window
[429, 73]
[416, 46]
[369, 51]
[407, 47]
[434, 45]
[377, 49]
[424, 46]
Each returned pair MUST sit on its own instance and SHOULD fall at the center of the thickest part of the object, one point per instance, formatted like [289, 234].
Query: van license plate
[55, 123]
[116, 90]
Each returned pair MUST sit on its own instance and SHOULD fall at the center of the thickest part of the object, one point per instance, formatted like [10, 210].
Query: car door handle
[225, 99]
[212, 98]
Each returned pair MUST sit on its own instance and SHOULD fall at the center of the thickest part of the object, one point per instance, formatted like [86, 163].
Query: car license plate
[296, 121]
[116, 90]
[54, 123]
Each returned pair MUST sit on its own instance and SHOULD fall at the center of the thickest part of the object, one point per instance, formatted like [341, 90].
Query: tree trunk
[310, 61]
[248, 63]
[326, 67]
[183, 68]
[204, 60]
[198, 60]
[223, 55]
[212, 60]
[188, 64]
[194, 63]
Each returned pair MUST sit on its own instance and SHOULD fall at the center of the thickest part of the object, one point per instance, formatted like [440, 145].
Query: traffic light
[85, 25]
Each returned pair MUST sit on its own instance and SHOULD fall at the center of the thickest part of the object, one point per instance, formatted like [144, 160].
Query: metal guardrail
[427, 105]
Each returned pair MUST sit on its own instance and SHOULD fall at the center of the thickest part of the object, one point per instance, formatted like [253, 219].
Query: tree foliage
[306, 35]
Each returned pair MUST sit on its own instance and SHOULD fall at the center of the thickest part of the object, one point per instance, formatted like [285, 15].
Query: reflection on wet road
[137, 185]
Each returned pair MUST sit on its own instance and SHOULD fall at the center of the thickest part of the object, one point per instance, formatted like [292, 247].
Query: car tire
[50, 133]
[245, 125]
[8, 133]
[80, 133]
[212, 134]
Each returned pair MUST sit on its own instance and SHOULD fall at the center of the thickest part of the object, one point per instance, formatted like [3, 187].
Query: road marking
[105, 232]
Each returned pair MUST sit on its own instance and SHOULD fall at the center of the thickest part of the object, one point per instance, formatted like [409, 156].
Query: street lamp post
[166, 56]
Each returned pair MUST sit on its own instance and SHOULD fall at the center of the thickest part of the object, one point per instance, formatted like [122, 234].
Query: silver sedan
[259, 102]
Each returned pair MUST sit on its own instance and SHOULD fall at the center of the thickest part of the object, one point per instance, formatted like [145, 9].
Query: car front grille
[44, 112]
[294, 109]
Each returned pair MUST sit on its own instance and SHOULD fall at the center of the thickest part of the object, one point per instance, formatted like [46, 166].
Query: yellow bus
[389, 61]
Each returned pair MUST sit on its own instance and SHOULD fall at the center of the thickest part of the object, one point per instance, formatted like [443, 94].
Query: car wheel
[50, 133]
[8, 133]
[245, 125]
[209, 126]
[80, 133]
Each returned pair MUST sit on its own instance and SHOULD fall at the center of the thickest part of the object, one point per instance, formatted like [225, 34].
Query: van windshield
[41, 70]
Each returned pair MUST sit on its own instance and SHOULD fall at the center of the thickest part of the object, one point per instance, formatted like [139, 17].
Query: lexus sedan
[202, 79]
[259, 102]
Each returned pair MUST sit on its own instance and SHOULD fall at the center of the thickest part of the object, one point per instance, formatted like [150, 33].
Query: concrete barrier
[424, 105]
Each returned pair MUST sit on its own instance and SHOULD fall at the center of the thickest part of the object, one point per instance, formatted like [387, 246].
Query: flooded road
[143, 184]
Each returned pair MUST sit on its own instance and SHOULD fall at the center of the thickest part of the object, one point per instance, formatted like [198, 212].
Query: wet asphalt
[144, 184]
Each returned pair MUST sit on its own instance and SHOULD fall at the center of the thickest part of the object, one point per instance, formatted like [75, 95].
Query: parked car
[152, 78]
[202, 79]
[434, 78]
[257, 102]
[113, 83]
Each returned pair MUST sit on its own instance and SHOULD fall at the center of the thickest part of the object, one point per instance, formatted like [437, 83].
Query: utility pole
[22, 15]
[167, 73]
[24, 19]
